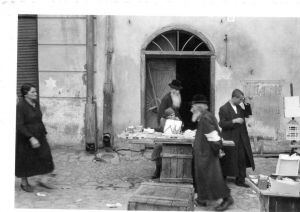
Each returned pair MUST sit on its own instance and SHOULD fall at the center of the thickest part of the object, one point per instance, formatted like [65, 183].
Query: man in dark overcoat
[171, 100]
[208, 178]
[232, 121]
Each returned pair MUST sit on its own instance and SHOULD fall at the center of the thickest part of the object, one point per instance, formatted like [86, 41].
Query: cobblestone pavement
[83, 183]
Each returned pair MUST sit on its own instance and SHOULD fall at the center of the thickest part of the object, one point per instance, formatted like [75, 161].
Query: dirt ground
[84, 183]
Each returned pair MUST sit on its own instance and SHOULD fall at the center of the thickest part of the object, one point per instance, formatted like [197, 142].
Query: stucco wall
[258, 49]
[62, 56]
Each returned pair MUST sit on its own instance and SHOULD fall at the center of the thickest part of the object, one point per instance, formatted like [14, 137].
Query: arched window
[175, 52]
[177, 40]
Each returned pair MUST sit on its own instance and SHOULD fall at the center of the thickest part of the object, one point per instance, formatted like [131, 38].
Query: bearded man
[171, 100]
[208, 178]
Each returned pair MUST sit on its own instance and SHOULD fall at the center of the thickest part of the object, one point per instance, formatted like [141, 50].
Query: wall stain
[82, 135]
[53, 126]
[43, 109]
[244, 55]
[67, 114]
[84, 77]
[71, 129]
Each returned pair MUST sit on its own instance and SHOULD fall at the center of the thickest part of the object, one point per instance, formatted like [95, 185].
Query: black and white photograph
[159, 112]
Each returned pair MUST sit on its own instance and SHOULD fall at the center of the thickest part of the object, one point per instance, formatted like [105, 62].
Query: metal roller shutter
[27, 71]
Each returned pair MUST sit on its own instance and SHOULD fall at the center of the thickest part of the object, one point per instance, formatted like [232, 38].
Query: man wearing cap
[232, 121]
[170, 102]
[171, 99]
[208, 178]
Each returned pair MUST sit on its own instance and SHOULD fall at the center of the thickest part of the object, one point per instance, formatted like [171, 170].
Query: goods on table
[285, 185]
[138, 132]
[263, 182]
[190, 133]
[172, 127]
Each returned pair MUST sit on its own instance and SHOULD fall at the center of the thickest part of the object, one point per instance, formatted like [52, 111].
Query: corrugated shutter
[27, 71]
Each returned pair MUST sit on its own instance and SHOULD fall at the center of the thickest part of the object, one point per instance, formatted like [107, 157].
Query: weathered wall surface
[258, 49]
[100, 66]
[62, 56]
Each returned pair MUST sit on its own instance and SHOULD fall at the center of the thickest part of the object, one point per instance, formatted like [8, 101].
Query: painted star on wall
[50, 83]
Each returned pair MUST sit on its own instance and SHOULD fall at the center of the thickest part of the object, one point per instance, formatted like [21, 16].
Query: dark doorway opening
[194, 74]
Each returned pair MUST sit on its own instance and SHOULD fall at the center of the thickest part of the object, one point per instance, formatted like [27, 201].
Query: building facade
[210, 55]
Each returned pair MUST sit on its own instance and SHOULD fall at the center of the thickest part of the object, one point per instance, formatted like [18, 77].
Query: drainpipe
[108, 85]
[90, 106]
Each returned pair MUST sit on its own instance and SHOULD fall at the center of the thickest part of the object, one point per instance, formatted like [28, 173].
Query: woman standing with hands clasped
[33, 155]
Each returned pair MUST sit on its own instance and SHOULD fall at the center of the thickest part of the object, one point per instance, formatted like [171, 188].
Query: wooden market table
[177, 155]
[275, 202]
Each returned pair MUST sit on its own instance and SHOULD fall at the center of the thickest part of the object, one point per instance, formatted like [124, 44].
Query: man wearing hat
[232, 121]
[171, 99]
[208, 178]
[170, 102]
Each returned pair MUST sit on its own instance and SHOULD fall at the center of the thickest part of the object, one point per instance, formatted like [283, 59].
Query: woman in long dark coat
[208, 179]
[33, 155]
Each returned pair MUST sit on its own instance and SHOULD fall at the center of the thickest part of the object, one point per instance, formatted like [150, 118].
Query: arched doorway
[181, 54]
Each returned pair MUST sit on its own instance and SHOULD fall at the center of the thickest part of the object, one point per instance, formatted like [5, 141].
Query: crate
[273, 203]
[278, 186]
[176, 163]
[162, 197]
[276, 202]
[287, 165]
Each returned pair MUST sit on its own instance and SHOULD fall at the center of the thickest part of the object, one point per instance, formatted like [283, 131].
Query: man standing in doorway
[232, 121]
[208, 179]
[172, 100]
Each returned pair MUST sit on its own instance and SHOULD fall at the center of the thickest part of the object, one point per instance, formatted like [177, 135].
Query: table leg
[264, 203]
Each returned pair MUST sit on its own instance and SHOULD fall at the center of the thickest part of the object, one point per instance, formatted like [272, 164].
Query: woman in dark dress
[33, 155]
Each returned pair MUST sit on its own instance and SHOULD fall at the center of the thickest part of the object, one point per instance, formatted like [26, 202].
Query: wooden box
[176, 163]
[287, 165]
[279, 186]
[279, 203]
[276, 202]
[163, 197]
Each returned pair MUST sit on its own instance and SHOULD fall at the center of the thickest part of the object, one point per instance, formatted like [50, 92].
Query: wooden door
[159, 73]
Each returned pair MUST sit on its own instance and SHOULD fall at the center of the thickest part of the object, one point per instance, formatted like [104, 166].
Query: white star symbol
[50, 83]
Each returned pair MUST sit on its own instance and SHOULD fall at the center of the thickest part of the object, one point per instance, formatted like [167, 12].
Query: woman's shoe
[27, 188]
